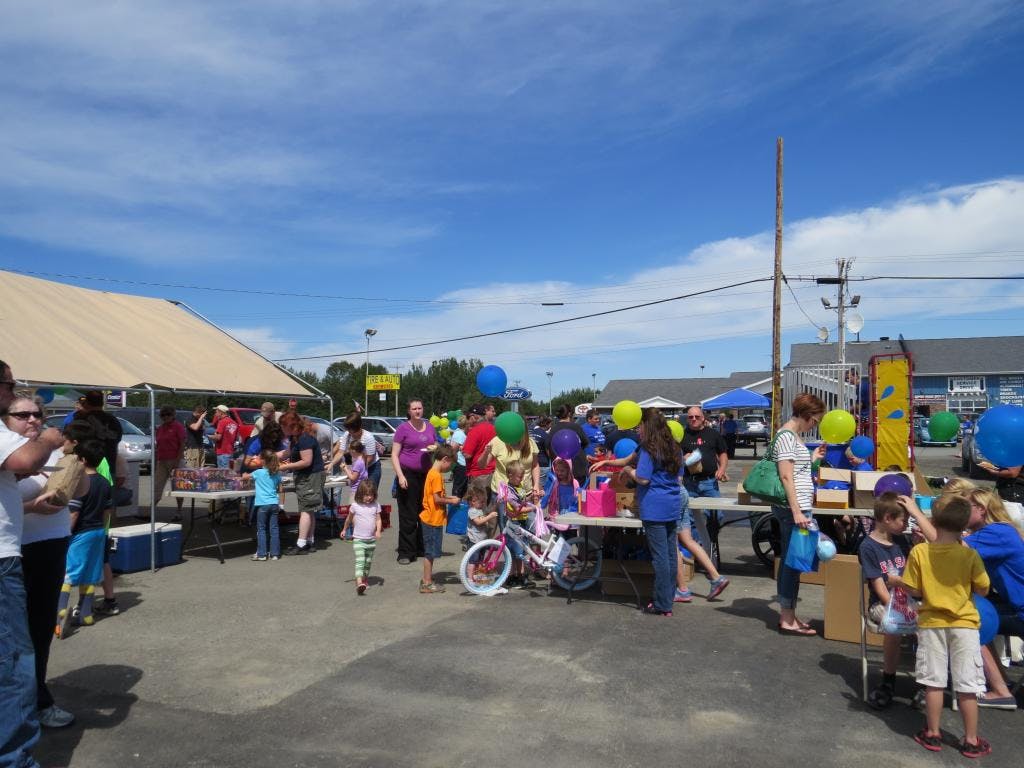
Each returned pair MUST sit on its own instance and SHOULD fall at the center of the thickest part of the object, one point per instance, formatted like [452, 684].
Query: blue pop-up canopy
[737, 398]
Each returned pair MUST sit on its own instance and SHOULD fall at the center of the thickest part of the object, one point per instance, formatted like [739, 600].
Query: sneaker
[295, 549]
[525, 583]
[1007, 702]
[430, 589]
[683, 596]
[259, 558]
[275, 557]
[106, 607]
[718, 587]
[55, 717]
[880, 697]
[933, 743]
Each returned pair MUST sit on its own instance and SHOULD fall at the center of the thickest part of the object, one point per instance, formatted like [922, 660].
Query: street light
[593, 378]
[549, 374]
[369, 332]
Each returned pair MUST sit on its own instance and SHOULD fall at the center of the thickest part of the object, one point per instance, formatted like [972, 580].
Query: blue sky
[485, 156]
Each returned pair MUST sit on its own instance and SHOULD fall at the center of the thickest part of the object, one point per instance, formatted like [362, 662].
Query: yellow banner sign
[383, 381]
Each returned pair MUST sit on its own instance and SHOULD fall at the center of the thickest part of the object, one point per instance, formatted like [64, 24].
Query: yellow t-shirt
[503, 456]
[946, 575]
[433, 513]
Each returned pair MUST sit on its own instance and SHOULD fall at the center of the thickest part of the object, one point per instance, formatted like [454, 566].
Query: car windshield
[247, 417]
[128, 428]
[754, 419]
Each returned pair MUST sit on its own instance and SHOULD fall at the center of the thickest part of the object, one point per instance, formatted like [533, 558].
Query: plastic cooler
[130, 546]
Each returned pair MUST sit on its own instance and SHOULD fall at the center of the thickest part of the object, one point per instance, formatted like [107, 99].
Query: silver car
[378, 426]
[135, 444]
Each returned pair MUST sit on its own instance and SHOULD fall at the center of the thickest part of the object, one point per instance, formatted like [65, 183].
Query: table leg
[191, 524]
[213, 530]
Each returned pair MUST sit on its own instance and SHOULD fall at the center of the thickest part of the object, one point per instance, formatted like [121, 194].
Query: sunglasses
[26, 415]
[694, 418]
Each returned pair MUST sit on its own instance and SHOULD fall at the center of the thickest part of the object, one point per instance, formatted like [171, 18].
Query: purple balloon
[898, 484]
[566, 444]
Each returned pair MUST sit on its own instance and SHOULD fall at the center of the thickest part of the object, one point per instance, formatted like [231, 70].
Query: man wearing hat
[225, 432]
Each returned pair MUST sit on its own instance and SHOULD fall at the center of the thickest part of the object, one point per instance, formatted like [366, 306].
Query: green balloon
[943, 426]
[510, 428]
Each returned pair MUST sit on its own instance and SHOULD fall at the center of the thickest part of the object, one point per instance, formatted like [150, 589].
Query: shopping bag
[763, 479]
[900, 617]
[458, 519]
[557, 554]
[802, 554]
[63, 480]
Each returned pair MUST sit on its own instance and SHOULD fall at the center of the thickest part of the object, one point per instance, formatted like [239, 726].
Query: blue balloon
[625, 447]
[1000, 435]
[989, 620]
[491, 381]
[46, 395]
[826, 548]
[862, 446]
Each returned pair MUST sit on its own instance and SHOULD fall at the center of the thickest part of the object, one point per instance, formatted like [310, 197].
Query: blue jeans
[788, 580]
[224, 461]
[266, 517]
[661, 541]
[373, 474]
[707, 489]
[19, 725]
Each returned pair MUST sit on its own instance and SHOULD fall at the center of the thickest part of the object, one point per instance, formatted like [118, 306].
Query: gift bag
[458, 519]
[802, 554]
[599, 502]
[63, 480]
[900, 617]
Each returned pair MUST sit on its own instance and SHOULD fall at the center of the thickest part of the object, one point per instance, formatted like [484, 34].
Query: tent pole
[152, 480]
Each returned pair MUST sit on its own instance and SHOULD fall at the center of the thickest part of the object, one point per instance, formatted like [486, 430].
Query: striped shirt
[789, 448]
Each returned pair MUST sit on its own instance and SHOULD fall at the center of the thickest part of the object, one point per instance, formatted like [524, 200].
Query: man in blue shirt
[593, 432]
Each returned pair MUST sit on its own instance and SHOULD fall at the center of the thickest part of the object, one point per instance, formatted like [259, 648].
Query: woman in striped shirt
[794, 463]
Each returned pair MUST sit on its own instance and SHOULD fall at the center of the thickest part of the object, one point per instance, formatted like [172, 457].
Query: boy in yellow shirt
[943, 574]
[433, 516]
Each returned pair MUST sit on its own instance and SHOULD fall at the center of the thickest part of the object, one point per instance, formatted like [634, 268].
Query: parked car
[135, 444]
[378, 426]
[923, 437]
[336, 431]
[751, 429]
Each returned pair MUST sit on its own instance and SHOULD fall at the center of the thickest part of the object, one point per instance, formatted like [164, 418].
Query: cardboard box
[810, 577]
[130, 546]
[827, 474]
[745, 498]
[864, 487]
[843, 579]
[625, 501]
[209, 479]
[614, 583]
[826, 498]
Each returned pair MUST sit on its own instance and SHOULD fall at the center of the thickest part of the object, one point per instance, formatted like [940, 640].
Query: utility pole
[777, 296]
[840, 281]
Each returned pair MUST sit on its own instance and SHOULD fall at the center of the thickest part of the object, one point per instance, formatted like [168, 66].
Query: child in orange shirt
[433, 516]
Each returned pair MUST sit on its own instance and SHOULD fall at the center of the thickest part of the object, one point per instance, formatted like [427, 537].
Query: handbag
[763, 479]
[802, 553]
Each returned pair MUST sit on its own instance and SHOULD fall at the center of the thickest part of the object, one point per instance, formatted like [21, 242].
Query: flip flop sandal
[980, 749]
[800, 631]
[931, 743]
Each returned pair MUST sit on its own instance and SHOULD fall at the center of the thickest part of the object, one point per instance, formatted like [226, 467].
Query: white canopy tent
[60, 335]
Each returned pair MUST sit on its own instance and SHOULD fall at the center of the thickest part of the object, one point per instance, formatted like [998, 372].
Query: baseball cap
[476, 410]
[223, 409]
[94, 398]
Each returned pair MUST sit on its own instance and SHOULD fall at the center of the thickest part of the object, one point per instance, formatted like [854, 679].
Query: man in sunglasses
[19, 724]
[702, 477]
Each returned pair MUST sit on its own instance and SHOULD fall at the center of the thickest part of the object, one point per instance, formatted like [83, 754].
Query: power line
[799, 305]
[547, 324]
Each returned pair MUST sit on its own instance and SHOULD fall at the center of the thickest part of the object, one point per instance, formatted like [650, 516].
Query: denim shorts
[432, 535]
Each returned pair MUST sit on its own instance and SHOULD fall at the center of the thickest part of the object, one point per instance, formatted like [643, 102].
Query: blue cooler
[130, 546]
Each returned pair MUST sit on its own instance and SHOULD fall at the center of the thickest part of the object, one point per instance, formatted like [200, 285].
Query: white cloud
[976, 230]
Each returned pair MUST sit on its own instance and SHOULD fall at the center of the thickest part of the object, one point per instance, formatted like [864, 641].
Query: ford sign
[517, 393]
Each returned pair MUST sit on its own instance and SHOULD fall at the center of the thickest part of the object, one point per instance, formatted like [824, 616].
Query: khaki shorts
[163, 473]
[950, 648]
[309, 492]
[194, 457]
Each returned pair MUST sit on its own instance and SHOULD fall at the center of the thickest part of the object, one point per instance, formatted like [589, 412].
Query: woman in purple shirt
[412, 456]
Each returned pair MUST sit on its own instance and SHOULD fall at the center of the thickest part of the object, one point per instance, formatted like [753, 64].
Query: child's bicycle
[486, 565]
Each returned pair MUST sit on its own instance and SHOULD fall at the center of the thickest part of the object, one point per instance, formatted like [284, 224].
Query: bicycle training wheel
[582, 566]
[766, 538]
[493, 562]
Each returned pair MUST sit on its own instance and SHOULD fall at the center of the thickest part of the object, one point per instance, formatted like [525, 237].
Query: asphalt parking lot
[282, 664]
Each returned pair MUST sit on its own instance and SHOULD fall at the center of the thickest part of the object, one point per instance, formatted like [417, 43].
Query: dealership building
[965, 376]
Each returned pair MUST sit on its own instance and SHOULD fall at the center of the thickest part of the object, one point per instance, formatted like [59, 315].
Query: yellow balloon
[626, 414]
[677, 430]
[434, 421]
[837, 426]
[442, 422]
